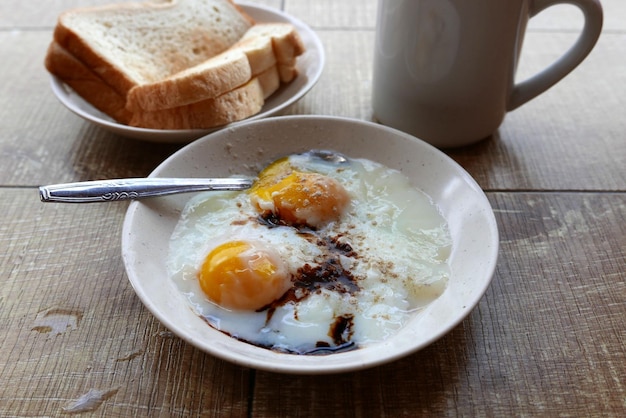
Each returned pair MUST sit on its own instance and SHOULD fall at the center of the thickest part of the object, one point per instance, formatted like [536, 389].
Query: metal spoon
[135, 188]
[139, 188]
[332, 157]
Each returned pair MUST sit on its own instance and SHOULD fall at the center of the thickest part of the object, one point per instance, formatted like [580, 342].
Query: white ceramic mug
[444, 70]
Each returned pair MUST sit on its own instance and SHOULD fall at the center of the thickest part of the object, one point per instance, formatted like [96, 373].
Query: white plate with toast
[309, 66]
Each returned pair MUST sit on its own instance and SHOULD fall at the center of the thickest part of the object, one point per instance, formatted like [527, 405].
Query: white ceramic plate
[244, 149]
[309, 65]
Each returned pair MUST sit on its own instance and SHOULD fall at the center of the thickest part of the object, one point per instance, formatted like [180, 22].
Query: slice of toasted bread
[286, 46]
[259, 51]
[232, 106]
[287, 72]
[210, 79]
[286, 41]
[86, 83]
[270, 81]
[264, 45]
[136, 43]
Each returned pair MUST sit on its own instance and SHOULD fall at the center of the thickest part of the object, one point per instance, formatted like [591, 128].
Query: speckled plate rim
[245, 148]
[310, 66]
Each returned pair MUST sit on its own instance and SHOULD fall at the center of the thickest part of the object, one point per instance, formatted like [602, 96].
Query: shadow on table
[491, 162]
[98, 154]
[422, 382]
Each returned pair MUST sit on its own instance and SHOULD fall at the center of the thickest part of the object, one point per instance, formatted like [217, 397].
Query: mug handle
[534, 86]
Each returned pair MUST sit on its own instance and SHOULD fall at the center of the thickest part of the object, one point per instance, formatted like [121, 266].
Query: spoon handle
[136, 188]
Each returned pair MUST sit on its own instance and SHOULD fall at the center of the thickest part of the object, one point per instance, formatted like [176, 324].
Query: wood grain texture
[30, 15]
[71, 323]
[320, 13]
[540, 145]
[329, 14]
[546, 340]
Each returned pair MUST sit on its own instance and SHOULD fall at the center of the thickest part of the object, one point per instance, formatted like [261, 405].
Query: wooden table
[547, 339]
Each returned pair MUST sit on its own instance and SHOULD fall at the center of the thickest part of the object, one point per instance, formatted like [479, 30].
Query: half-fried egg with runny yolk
[317, 257]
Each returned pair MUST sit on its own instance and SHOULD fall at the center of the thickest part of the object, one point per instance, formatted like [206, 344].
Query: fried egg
[317, 257]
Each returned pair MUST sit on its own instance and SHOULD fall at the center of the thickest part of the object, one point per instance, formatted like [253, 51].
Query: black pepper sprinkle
[327, 275]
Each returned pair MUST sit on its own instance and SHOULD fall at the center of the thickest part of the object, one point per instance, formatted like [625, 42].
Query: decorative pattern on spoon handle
[120, 196]
[116, 190]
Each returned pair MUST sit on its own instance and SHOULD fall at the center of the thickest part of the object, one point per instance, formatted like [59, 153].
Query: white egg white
[397, 249]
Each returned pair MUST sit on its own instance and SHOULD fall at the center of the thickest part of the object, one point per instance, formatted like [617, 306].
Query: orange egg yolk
[243, 275]
[299, 198]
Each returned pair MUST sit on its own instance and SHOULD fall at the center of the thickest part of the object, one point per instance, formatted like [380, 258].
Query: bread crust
[286, 42]
[259, 52]
[235, 105]
[232, 106]
[270, 81]
[210, 79]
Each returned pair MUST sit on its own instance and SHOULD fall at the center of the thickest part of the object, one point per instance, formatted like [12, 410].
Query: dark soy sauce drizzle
[327, 274]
